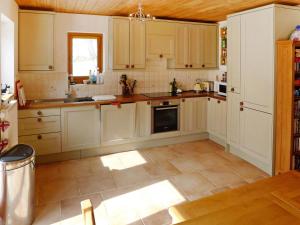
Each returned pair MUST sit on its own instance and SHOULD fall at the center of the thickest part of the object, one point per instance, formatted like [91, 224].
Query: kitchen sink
[84, 99]
[64, 100]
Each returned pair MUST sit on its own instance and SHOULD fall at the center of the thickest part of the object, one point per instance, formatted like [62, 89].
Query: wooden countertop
[273, 201]
[55, 103]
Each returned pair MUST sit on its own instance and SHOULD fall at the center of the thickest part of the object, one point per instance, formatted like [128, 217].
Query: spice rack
[223, 34]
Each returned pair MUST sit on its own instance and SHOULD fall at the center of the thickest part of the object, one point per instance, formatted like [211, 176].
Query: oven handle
[166, 108]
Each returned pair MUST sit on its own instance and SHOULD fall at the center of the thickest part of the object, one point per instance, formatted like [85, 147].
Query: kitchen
[118, 107]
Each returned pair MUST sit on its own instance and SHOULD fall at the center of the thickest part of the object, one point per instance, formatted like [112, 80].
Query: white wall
[65, 23]
[9, 8]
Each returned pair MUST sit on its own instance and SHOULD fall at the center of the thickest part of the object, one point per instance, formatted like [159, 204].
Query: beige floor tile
[162, 218]
[130, 176]
[48, 214]
[247, 171]
[161, 154]
[94, 184]
[161, 169]
[56, 190]
[112, 162]
[132, 159]
[220, 190]
[192, 185]
[47, 172]
[187, 164]
[221, 176]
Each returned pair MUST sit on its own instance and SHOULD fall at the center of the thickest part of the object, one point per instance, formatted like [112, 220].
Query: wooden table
[273, 201]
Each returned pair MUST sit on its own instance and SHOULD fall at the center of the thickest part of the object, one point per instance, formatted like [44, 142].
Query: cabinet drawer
[39, 112]
[39, 125]
[43, 144]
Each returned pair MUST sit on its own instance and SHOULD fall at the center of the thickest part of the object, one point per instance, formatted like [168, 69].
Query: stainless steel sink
[63, 100]
[84, 99]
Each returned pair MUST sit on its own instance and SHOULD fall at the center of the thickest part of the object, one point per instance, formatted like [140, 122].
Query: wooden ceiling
[198, 10]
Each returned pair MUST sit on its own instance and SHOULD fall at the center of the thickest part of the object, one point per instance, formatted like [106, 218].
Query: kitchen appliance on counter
[222, 88]
[200, 86]
[165, 116]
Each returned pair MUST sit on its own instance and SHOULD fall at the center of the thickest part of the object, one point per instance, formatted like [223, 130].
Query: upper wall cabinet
[160, 39]
[127, 44]
[195, 46]
[36, 35]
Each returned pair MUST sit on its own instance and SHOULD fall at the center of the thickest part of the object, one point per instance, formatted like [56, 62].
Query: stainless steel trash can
[17, 174]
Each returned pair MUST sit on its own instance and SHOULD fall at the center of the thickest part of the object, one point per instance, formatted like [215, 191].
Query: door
[80, 128]
[256, 137]
[182, 46]
[196, 46]
[121, 43]
[212, 115]
[117, 123]
[233, 119]
[257, 48]
[137, 44]
[210, 46]
[143, 119]
[160, 39]
[234, 54]
[36, 35]
[221, 119]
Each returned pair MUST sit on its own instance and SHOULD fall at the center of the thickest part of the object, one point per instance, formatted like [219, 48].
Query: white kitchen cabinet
[193, 114]
[257, 137]
[117, 123]
[143, 119]
[210, 46]
[234, 54]
[43, 144]
[127, 44]
[216, 118]
[233, 119]
[181, 46]
[196, 46]
[36, 37]
[80, 128]
[257, 59]
[160, 37]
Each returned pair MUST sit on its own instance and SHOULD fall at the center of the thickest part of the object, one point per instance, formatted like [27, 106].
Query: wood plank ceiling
[198, 10]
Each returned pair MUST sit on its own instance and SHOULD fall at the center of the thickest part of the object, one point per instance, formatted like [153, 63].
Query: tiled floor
[137, 187]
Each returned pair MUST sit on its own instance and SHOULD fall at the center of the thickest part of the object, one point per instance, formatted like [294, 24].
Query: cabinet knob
[191, 66]
[241, 103]
[39, 137]
[208, 99]
[50, 67]
[186, 65]
[203, 65]
[219, 101]
[183, 100]
[132, 66]
[241, 109]
[39, 120]
[39, 113]
[232, 89]
[148, 103]
[161, 56]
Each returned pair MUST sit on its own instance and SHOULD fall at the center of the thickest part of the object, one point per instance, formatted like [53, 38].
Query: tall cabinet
[251, 79]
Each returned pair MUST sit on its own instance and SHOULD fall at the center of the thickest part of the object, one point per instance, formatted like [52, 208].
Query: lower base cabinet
[217, 118]
[118, 123]
[233, 119]
[80, 128]
[43, 144]
[193, 115]
[143, 119]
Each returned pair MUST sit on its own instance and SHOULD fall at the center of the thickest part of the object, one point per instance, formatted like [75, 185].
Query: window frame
[99, 38]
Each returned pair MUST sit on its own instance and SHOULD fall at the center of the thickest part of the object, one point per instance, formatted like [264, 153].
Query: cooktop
[159, 94]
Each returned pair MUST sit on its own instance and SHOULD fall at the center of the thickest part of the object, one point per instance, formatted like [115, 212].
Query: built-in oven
[165, 116]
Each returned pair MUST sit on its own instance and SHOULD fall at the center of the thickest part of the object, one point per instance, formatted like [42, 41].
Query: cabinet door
[256, 136]
[43, 144]
[117, 123]
[233, 119]
[196, 46]
[188, 115]
[210, 46]
[137, 45]
[234, 54]
[80, 128]
[257, 41]
[121, 43]
[143, 119]
[212, 115]
[221, 119]
[36, 35]
[182, 46]
[201, 114]
[160, 39]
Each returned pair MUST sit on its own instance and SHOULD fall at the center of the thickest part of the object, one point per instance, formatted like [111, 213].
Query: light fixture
[140, 15]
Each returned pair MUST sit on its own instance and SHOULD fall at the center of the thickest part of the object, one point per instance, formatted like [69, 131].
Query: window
[85, 54]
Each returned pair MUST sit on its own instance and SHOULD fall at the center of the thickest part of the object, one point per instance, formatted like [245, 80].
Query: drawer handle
[39, 113]
[39, 120]
[39, 137]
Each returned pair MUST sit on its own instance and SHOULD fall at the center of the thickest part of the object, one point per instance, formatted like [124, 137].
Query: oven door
[165, 119]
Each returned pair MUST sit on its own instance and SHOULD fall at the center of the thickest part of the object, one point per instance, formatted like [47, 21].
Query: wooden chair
[87, 212]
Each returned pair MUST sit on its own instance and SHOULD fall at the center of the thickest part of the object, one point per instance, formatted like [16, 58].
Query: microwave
[222, 88]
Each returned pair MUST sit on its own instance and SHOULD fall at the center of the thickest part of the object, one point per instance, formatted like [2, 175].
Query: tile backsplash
[48, 85]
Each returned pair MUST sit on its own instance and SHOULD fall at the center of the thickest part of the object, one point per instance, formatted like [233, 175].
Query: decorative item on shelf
[20, 94]
[223, 32]
[140, 15]
[127, 85]
[295, 36]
